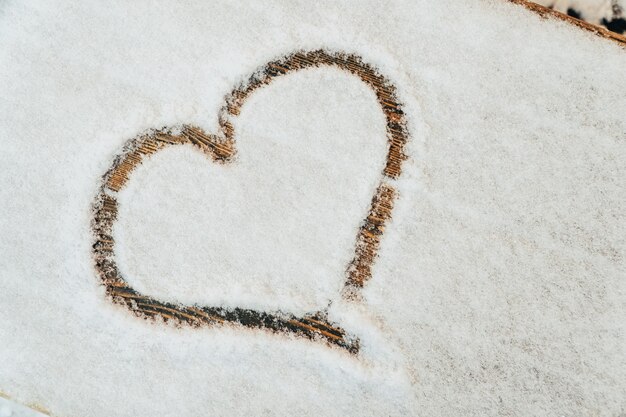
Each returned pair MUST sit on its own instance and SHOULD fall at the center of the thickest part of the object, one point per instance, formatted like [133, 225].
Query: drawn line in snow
[221, 149]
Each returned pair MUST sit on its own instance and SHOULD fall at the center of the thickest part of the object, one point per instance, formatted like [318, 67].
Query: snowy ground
[499, 288]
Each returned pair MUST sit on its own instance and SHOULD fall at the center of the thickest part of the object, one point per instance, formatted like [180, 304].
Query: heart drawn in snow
[220, 148]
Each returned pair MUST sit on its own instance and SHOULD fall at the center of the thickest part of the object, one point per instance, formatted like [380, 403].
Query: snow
[298, 192]
[11, 409]
[499, 287]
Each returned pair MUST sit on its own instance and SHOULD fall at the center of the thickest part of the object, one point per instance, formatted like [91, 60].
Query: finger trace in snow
[221, 148]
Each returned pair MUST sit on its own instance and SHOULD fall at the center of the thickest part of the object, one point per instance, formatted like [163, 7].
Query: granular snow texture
[499, 289]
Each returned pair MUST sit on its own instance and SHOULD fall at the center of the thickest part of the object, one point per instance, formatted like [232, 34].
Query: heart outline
[221, 149]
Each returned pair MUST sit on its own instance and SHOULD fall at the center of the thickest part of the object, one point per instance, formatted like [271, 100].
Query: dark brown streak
[546, 12]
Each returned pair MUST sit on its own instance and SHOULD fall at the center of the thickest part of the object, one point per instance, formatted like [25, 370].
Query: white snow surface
[9, 408]
[281, 221]
[500, 284]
